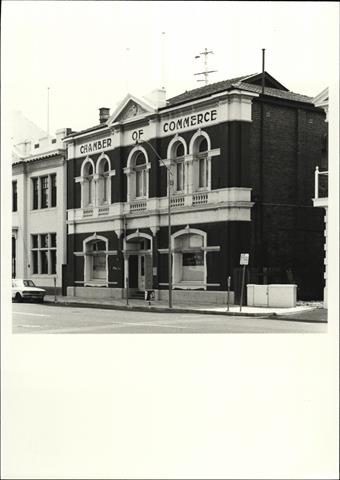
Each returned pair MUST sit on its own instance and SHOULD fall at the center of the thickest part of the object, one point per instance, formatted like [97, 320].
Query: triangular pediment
[130, 108]
[269, 81]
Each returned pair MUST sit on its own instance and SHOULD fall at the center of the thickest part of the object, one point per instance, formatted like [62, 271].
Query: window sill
[95, 284]
[39, 210]
[45, 275]
[190, 285]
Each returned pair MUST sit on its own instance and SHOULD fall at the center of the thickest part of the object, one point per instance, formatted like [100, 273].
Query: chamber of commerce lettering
[190, 121]
[96, 146]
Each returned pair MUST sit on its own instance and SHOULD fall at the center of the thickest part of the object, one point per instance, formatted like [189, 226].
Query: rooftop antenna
[48, 111]
[163, 69]
[263, 70]
[206, 71]
[127, 65]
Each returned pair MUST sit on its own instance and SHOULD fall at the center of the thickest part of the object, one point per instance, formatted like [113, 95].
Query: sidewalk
[310, 311]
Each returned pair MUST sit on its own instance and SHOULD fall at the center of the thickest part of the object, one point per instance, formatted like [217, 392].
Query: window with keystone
[140, 172]
[180, 169]
[103, 189]
[87, 191]
[189, 259]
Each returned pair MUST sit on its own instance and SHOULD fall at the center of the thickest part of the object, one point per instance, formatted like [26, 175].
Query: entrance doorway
[139, 264]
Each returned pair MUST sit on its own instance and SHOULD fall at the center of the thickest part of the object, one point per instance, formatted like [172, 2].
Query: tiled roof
[274, 92]
[204, 91]
[238, 82]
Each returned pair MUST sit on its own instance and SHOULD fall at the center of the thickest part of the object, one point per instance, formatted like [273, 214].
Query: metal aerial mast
[206, 72]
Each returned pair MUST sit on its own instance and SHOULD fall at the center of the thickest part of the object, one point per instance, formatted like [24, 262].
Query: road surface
[37, 318]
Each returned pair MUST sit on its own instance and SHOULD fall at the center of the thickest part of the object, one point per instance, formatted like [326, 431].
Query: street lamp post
[169, 173]
[169, 238]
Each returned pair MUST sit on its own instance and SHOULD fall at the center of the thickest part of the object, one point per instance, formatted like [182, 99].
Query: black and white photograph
[170, 168]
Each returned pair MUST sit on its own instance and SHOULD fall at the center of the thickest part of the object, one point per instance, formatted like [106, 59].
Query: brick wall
[286, 230]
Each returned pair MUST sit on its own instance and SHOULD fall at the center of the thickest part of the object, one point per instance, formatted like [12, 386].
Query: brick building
[242, 168]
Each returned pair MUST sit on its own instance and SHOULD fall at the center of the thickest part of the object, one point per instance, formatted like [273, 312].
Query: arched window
[200, 149]
[202, 157]
[137, 172]
[140, 172]
[189, 259]
[95, 261]
[88, 187]
[104, 190]
[179, 162]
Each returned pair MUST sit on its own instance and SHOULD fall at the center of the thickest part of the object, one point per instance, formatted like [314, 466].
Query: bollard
[55, 289]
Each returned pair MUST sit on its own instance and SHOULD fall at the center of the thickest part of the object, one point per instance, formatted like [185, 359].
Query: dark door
[133, 271]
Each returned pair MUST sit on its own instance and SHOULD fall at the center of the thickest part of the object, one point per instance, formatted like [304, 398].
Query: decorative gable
[130, 108]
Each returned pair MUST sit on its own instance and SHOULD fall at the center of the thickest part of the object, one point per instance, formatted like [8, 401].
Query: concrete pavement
[304, 311]
[33, 318]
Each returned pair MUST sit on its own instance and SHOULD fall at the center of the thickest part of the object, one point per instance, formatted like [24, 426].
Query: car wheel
[18, 298]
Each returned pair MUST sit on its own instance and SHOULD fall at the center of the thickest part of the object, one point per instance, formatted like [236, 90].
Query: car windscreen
[28, 283]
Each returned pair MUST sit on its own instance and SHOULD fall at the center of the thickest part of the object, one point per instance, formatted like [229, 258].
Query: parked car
[26, 290]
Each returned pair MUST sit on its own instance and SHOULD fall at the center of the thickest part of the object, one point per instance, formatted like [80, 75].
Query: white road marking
[32, 314]
[29, 326]
[152, 325]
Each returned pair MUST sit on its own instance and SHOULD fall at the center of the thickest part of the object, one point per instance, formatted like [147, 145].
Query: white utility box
[282, 295]
[257, 295]
[274, 295]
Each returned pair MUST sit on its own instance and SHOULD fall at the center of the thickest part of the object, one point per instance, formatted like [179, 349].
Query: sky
[90, 54]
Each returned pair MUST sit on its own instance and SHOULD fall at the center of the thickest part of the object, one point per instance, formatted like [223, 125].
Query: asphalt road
[37, 318]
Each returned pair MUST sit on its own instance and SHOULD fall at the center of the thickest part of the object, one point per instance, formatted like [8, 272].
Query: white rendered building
[39, 209]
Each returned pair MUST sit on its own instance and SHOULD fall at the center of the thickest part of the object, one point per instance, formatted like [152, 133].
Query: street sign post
[244, 260]
[228, 286]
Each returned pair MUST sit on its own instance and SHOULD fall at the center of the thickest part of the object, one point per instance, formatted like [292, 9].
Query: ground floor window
[189, 259]
[43, 253]
[96, 271]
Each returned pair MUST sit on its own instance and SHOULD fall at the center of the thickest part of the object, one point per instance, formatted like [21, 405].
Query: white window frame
[175, 161]
[175, 274]
[102, 178]
[48, 249]
[196, 155]
[87, 259]
[130, 172]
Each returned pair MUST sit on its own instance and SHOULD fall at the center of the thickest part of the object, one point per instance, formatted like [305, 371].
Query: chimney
[104, 114]
[157, 98]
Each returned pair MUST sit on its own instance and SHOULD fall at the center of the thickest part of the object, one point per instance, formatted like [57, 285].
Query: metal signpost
[244, 260]
[228, 284]
[127, 257]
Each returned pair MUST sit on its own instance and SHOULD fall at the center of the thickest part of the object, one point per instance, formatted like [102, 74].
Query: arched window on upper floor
[103, 181]
[200, 147]
[87, 183]
[140, 173]
[95, 182]
[177, 150]
[137, 172]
